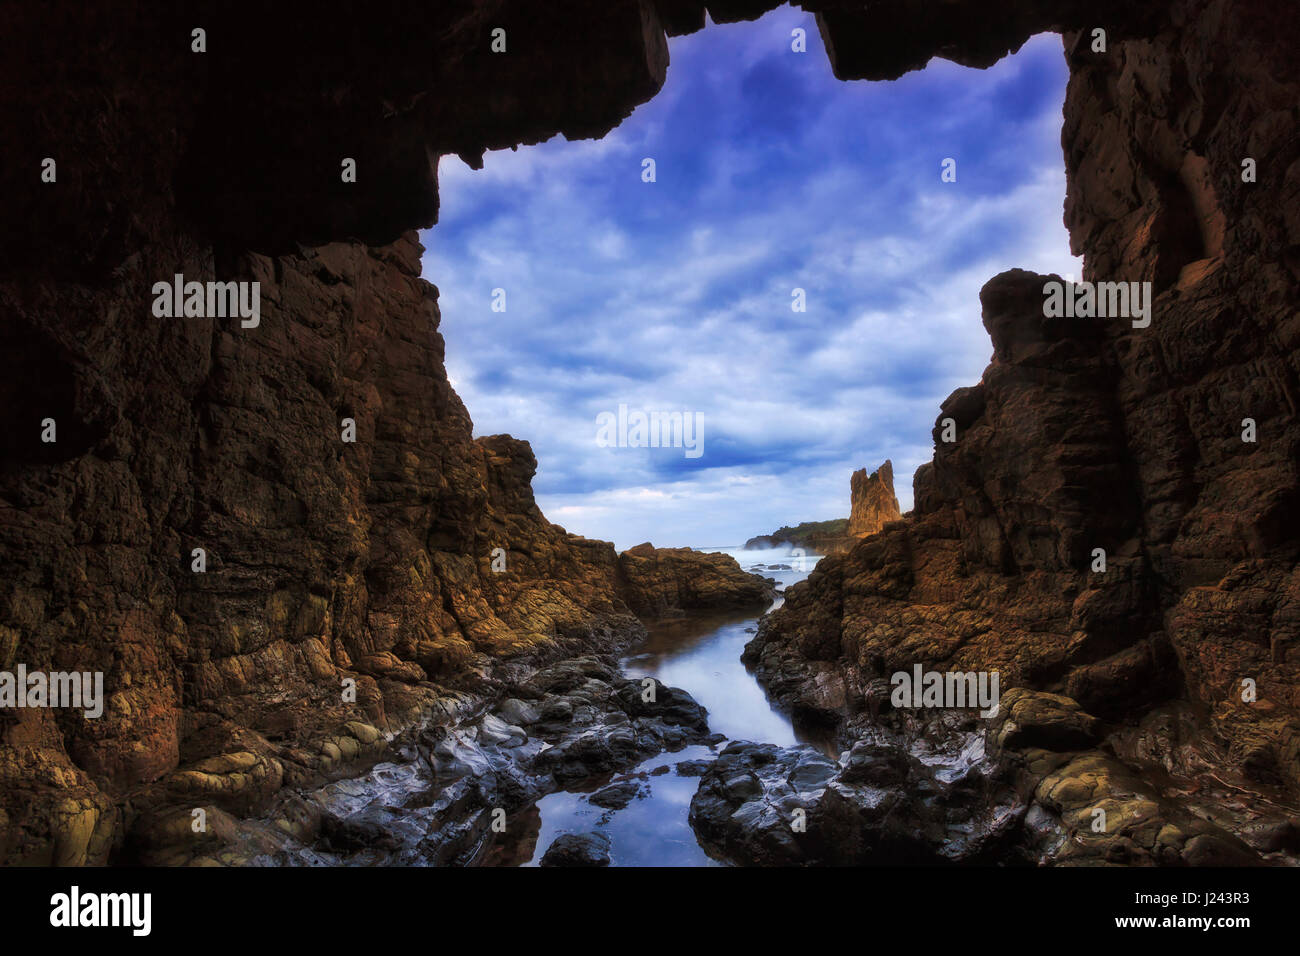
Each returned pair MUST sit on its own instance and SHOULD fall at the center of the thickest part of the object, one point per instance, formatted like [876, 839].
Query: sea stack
[873, 500]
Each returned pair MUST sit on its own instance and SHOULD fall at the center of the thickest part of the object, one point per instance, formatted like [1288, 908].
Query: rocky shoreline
[516, 730]
[466, 735]
[1163, 641]
[441, 788]
[1041, 784]
[1022, 787]
[1109, 521]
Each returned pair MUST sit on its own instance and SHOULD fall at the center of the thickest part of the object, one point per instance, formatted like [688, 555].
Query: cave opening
[794, 259]
[282, 549]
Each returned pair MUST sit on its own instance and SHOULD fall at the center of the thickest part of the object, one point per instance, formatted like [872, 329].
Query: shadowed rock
[373, 563]
[578, 849]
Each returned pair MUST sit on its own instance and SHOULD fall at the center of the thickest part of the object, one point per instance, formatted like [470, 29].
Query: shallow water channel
[701, 655]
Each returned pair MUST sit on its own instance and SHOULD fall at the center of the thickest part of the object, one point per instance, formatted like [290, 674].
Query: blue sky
[676, 295]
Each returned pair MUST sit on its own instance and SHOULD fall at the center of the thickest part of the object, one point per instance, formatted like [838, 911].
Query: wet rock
[672, 705]
[1087, 434]
[518, 712]
[375, 566]
[692, 768]
[1278, 836]
[759, 804]
[578, 849]
[1110, 815]
[494, 730]
[1028, 719]
[436, 800]
[618, 795]
[876, 765]
[1029, 785]
[351, 835]
[1092, 807]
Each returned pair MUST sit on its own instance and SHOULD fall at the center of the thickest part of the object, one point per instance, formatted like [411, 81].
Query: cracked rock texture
[371, 562]
[1088, 434]
[872, 499]
[1029, 786]
[350, 588]
[433, 798]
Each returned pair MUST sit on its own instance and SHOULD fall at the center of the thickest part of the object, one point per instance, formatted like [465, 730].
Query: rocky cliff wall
[349, 588]
[1093, 435]
[410, 561]
[372, 560]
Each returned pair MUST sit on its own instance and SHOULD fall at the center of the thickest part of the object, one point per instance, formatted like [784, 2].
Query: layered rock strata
[371, 561]
[872, 500]
[345, 583]
[1031, 786]
[1115, 517]
[443, 793]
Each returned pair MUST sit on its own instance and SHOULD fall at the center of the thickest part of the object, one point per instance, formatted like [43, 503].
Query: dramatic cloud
[676, 295]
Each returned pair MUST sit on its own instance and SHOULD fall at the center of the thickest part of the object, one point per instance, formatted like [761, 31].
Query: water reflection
[652, 830]
[703, 657]
[700, 654]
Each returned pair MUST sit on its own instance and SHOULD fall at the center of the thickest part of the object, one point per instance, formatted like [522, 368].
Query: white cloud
[624, 292]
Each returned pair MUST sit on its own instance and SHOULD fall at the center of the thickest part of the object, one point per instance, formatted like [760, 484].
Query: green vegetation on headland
[808, 534]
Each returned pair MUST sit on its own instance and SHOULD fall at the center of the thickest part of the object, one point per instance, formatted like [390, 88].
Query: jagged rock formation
[872, 505]
[432, 800]
[1092, 434]
[411, 561]
[873, 500]
[373, 560]
[1025, 789]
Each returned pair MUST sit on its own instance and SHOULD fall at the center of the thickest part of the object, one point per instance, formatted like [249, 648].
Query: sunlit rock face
[872, 500]
[351, 588]
[665, 582]
[872, 505]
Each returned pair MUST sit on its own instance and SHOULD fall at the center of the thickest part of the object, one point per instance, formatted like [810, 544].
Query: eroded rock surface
[372, 562]
[578, 849]
[375, 583]
[441, 789]
[1089, 434]
[1033, 785]
[666, 582]
[872, 500]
